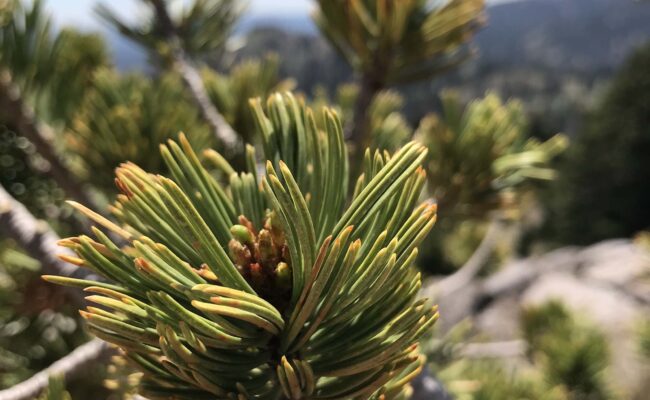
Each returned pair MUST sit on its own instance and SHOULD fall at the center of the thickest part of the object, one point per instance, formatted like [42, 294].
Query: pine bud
[273, 225]
[246, 222]
[242, 234]
[267, 250]
[239, 253]
[283, 275]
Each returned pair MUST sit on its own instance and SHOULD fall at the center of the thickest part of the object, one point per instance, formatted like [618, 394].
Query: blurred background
[537, 118]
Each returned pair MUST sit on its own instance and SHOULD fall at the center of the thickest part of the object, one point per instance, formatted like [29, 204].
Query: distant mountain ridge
[567, 34]
[581, 35]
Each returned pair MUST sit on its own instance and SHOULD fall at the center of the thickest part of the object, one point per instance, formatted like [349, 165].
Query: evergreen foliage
[55, 390]
[313, 298]
[607, 195]
[491, 380]
[125, 118]
[284, 271]
[388, 128]
[202, 28]
[480, 156]
[47, 72]
[572, 355]
[567, 360]
[392, 42]
[19, 174]
[32, 334]
[248, 79]
[481, 161]
[52, 68]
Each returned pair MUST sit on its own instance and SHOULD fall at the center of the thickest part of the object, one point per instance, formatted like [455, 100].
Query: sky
[79, 13]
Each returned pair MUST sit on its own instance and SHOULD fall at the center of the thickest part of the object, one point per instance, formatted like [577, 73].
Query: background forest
[535, 115]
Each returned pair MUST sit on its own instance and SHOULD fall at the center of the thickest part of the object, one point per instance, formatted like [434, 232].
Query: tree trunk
[358, 130]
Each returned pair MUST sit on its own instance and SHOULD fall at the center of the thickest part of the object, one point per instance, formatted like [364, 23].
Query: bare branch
[220, 127]
[74, 363]
[22, 118]
[473, 266]
[40, 242]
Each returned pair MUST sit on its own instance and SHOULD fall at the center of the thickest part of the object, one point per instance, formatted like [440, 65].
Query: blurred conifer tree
[607, 195]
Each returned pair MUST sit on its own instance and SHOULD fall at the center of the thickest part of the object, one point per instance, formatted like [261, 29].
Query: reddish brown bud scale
[247, 223]
[257, 275]
[240, 254]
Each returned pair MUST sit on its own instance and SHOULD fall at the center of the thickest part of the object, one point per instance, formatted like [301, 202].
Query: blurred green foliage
[481, 162]
[122, 379]
[125, 118]
[387, 126]
[482, 378]
[202, 28]
[481, 156]
[230, 92]
[572, 355]
[19, 175]
[491, 380]
[34, 332]
[53, 70]
[55, 390]
[27, 43]
[566, 359]
[51, 67]
[603, 189]
[393, 42]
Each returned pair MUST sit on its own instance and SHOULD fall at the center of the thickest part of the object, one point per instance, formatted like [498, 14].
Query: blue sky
[79, 13]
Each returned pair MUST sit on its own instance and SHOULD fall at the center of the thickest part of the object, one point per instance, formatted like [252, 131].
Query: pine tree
[480, 157]
[36, 64]
[608, 194]
[180, 42]
[313, 299]
[391, 42]
[272, 282]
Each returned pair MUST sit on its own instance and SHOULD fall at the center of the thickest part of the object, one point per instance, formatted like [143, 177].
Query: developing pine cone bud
[262, 257]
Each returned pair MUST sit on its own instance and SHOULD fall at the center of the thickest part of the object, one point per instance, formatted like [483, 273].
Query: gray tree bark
[40, 242]
[73, 364]
[192, 80]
